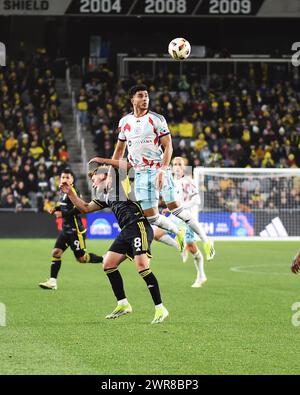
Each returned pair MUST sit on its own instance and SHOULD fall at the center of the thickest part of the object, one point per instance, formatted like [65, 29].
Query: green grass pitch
[239, 322]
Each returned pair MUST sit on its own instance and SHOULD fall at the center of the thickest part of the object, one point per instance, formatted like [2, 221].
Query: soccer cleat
[160, 314]
[199, 282]
[180, 238]
[209, 250]
[185, 255]
[49, 284]
[119, 310]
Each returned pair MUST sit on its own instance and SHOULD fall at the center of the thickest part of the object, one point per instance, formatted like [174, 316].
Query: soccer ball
[179, 49]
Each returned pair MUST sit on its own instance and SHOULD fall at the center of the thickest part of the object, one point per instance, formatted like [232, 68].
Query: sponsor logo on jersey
[139, 142]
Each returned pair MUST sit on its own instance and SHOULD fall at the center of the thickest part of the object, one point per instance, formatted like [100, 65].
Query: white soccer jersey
[142, 136]
[185, 189]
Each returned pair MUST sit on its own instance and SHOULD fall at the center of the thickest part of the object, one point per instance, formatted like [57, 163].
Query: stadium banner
[227, 224]
[102, 226]
[153, 8]
[265, 224]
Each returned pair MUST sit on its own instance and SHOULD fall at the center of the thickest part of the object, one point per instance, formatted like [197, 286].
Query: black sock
[55, 267]
[152, 285]
[93, 258]
[116, 282]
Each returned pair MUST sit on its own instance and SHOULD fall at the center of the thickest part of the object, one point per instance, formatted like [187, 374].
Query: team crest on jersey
[127, 127]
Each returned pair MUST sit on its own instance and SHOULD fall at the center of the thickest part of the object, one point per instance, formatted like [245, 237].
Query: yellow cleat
[160, 315]
[119, 311]
[180, 238]
[209, 250]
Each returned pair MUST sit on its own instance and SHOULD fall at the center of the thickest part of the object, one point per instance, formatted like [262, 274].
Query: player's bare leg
[295, 267]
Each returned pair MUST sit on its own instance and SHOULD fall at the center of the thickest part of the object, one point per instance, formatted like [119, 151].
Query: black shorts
[134, 240]
[76, 241]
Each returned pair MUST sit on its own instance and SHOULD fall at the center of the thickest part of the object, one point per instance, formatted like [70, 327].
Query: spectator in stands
[35, 150]
[24, 203]
[8, 201]
[82, 107]
[186, 129]
[63, 154]
[268, 161]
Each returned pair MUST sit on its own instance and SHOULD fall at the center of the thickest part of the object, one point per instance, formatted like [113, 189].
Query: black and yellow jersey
[126, 212]
[70, 214]
[120, 199]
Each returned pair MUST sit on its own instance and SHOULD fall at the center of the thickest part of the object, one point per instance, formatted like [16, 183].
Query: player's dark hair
[136, 88]
[67, 170]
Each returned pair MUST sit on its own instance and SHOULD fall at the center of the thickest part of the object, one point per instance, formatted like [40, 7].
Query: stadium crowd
[32, 145]
[246, 194]
[251, 120]
[227, 122]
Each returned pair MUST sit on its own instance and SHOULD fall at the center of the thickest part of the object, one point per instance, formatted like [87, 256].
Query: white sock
[123, 302]
[186, 217]
[167, 239]
[53, 280]
[163, 222]
[158, 306]
[199, 264]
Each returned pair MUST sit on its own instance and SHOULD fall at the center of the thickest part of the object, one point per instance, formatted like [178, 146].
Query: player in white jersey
[188, 195]
[148, 140]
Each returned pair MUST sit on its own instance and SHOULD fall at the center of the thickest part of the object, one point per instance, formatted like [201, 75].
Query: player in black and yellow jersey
[133, 242]
[72, 235]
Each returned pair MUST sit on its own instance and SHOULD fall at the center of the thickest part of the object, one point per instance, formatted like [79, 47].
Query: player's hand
[51, 211]
[165, 211]
[65, 188]
[108, 182]
[296, 264]
[160, 180]
[97, 160]
[58, 214]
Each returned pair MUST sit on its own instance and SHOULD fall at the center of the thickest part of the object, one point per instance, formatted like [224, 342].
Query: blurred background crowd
[228, 121]
[246, 120]
[252, 120]
[32, 145]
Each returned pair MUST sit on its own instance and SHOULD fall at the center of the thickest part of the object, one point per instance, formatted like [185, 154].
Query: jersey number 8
[137, 244]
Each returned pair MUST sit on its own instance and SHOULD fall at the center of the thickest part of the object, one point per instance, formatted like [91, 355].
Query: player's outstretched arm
[83, 206]
[117, 155]
[193, 201]
[296, 263]
[166, 142]
[117, 163]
